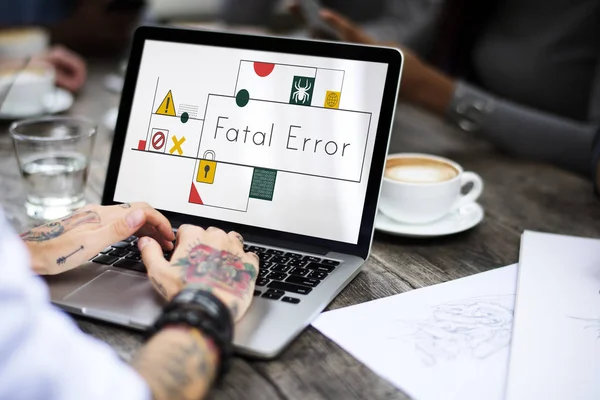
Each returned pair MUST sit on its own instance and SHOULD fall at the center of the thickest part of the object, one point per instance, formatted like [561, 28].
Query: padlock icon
[207, 168]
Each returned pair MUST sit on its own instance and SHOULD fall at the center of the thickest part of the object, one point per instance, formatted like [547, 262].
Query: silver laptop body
[124, 296]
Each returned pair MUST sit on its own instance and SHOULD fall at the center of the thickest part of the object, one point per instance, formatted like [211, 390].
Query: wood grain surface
[518, 195]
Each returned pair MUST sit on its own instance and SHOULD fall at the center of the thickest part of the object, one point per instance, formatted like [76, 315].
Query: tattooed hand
[64, 244]
[209, 259]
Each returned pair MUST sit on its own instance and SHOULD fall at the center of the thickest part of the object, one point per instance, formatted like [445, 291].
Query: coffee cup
[421, 188]
[20, 43]
[25, 89]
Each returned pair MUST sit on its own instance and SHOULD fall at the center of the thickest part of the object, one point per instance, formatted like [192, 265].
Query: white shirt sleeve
[43, 354]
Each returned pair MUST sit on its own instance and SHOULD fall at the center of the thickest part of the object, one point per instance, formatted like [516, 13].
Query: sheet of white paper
[445, 341]
[556, 343]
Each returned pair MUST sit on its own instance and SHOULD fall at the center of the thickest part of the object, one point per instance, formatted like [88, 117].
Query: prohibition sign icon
[158, 140]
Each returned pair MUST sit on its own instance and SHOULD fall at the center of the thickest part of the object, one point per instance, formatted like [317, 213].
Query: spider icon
[301, 94]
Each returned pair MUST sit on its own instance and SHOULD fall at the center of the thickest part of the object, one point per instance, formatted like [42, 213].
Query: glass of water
[54, 156]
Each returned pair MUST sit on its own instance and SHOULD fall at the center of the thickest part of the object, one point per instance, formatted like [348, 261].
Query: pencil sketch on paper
[590, 323]
[474, 328]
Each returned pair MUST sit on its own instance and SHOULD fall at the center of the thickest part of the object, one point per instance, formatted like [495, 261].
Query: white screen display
[272, 140]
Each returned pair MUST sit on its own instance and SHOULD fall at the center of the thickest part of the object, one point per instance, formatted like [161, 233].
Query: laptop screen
[270, 140]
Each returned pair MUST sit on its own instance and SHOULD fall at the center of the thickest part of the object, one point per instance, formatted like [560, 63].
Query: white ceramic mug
[20, 43]
[421, 188]
[27, 89]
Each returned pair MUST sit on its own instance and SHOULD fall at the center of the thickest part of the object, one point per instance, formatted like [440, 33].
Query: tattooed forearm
[177, 364]
[45, 232]
[57, 228]
[63, 259]
[210, 268]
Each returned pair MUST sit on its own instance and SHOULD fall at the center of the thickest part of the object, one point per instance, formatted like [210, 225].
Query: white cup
[20, 43]
[27, 89]
[421, 188]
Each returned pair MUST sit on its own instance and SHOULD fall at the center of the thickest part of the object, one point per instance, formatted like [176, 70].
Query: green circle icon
[185, 117]
[242, 98]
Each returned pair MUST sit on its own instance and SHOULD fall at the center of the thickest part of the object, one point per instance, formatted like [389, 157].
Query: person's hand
[208, 259]
[352, 33]
[347, 30]
[66, 243]
[70, 68]
[422, 84]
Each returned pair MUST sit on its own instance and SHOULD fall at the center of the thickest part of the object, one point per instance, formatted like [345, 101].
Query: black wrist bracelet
[202, 310]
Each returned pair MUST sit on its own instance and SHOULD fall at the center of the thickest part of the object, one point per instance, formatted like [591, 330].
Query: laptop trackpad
[119, 297]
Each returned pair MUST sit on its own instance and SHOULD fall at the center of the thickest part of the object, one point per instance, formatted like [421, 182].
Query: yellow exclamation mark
[165, 106]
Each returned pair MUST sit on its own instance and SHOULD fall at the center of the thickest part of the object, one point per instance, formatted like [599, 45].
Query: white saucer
[458, 221]
[58, 101]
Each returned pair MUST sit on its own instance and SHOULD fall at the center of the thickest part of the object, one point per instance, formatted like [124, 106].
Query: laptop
[281, 140]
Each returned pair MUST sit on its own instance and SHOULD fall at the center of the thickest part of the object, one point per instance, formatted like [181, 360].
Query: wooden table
[518, 195]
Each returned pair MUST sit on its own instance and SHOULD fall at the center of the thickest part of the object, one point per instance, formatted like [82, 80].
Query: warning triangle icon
[167, 107]
[194, 195]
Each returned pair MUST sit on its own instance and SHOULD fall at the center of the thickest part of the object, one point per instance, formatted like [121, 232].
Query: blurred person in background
[70, 68]
[525, 76]
[89, 27]
[405, 21]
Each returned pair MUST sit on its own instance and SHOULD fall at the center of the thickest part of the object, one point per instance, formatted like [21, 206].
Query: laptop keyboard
[124, 255]
[283, 276]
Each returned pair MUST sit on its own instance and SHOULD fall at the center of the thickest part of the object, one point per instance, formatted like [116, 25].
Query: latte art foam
[419, 170]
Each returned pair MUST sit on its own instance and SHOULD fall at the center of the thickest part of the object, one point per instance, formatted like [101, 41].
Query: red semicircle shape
[263, 69]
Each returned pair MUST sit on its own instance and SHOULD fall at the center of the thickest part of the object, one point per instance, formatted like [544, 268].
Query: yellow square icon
[206, 171]
[332, 99]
